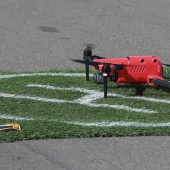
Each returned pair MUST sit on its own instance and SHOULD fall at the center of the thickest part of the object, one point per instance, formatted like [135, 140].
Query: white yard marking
[109, 94]
[141, 98]
[80, 75]
[42, 99]
[88, 100]
[9, 117]
[97, 124]
[84, 101]
[121, 124]
[6, 76]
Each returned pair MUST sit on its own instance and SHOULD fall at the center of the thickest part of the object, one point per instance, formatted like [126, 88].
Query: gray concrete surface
[138, 153]
[41, 35]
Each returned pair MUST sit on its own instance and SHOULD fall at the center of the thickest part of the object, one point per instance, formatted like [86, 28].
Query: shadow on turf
[139, 89]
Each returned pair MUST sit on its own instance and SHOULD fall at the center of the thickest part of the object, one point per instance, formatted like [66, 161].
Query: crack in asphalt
[58, 164]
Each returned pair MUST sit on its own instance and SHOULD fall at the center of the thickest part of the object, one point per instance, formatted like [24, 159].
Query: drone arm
[159, 82]
[168, 65]
[116, 67]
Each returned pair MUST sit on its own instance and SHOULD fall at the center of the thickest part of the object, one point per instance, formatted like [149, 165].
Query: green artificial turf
[68, 119]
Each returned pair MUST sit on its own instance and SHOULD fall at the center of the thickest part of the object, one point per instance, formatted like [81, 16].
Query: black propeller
[98, 57]
[87, 63]
[92, 63]
[168, 65]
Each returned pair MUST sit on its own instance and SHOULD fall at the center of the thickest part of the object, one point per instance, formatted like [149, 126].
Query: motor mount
[87, 54]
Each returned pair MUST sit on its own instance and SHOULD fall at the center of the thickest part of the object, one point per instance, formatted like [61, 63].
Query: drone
[132, 69]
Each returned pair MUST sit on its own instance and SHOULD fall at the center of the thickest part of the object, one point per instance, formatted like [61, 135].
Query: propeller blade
[87, 62]
[93, 63]
[166, 65]
[98, 57]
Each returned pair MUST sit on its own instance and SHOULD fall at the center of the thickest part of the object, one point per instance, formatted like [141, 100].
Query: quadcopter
[132, 69]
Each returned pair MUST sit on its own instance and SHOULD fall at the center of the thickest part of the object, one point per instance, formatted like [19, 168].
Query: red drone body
[132, 69]
[135, 69]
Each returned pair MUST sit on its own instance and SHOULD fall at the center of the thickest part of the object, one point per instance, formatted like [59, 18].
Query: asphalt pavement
[38, 35]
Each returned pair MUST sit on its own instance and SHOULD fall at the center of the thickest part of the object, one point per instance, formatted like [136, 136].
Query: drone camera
[98, 78]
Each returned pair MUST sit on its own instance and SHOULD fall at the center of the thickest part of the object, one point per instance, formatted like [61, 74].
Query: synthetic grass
[56, 120]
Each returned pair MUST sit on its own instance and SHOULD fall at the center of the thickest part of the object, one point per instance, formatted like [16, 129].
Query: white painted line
[96, 124]
[83, 90]
[92, 95]
[4, 116]
[141, 98]
[79, 75]
[83, 102]
[95, 91]
[121, 124]
[32, 98]
[82, 74]
[42, 74]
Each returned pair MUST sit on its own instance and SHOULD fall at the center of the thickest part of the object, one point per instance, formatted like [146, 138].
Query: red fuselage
[135, 69]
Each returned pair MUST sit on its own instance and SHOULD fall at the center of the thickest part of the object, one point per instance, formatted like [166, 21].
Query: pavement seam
[30, 148]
